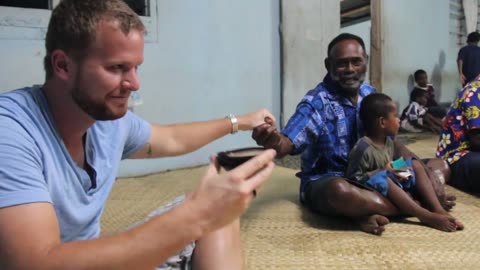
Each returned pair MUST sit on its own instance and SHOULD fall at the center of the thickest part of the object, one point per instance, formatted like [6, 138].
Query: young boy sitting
[416, 117]
[421, 82]
[370, 163]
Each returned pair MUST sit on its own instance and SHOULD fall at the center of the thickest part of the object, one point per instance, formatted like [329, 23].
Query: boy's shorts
[379, 181]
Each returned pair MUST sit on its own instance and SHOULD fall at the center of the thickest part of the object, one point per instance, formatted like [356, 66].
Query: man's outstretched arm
[178, 139]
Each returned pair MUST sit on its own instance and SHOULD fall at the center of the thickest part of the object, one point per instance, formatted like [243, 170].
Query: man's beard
[350, 90]
[96, 110]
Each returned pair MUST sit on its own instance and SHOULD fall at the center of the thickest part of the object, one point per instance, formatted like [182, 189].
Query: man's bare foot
[374, 224]
[440, 222]
[447, 201]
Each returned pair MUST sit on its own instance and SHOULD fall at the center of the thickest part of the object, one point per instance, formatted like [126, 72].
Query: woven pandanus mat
[279, 234]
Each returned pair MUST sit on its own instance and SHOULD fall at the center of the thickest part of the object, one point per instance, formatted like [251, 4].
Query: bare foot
[458, 223]
[440, 222]
[374, 224]
[447, 201]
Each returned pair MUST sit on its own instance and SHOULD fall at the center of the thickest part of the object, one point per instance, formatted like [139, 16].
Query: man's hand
[251, 120]
[267, 135]
[221, 198]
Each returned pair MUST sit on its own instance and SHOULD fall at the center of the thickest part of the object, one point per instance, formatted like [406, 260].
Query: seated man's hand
[266, 135]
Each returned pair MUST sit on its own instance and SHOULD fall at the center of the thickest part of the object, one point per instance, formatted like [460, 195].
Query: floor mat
[279, 234]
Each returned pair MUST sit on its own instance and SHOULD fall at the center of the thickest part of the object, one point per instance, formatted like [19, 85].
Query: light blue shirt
[35, 165]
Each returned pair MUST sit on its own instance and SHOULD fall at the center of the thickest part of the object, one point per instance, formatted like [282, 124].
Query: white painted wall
[416, 36]
[362, 30]
[208, 59]
[308, 26]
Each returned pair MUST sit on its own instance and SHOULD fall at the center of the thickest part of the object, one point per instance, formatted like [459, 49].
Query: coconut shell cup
[233, 158]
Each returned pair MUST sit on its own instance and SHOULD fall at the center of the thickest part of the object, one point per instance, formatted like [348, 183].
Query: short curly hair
[374, 106]
[73, 23]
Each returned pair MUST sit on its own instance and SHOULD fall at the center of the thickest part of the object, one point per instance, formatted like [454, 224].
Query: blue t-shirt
[324, 128]
[35, 165]
[470, 56]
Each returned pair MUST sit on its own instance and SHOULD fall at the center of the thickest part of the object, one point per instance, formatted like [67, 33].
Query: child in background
[421, 82]
[370, 163]
[416, 117]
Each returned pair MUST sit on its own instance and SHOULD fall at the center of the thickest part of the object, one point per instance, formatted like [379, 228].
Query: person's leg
[438, 111]
[424, 189]
[337, 197]
[183, 259]
[431, 123]
[408, 206]
[466, 173]
[221, 249]
[425, 193]
[438, 173]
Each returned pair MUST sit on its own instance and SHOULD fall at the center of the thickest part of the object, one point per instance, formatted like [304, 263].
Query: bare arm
[460, 71]
[30, 236]
[173, 140]
[27, 246]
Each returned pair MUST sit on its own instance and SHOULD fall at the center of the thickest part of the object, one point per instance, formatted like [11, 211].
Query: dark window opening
[139, 6]
[354, 11]
[39, 4]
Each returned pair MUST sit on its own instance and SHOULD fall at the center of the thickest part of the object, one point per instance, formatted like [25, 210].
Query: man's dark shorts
[316, 192]
[466, 173]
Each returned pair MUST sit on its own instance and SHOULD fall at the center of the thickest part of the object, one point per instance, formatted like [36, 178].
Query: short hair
[417, 73]
[342, 37]
[417, 93]
[473, 37]
[374, 106]
[73, 23]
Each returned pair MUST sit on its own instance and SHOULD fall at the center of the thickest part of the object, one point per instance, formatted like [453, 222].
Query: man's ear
[60, 64]
[327, 63]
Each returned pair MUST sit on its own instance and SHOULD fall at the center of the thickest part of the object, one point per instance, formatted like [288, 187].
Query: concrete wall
[416, 36]
[204, 60]
[362, 30]
[307, 28]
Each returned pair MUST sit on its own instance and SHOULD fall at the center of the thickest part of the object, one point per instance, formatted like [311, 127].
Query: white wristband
[234, 122]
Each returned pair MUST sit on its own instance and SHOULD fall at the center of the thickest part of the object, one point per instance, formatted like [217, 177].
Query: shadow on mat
[344, 223]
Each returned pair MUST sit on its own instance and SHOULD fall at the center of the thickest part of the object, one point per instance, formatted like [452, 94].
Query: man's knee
[339, 192]
[440, 168]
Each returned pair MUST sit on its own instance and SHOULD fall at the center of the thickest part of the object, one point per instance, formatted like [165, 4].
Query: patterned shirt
[412, 117]
[464, 114]
[324, 128]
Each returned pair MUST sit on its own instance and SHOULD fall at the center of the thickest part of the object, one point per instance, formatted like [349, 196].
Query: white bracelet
[234, 122]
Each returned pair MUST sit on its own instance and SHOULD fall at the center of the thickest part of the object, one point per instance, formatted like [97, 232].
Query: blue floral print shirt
[324, 128]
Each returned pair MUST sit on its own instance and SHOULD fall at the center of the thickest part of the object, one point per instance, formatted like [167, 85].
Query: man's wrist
[234, 122]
